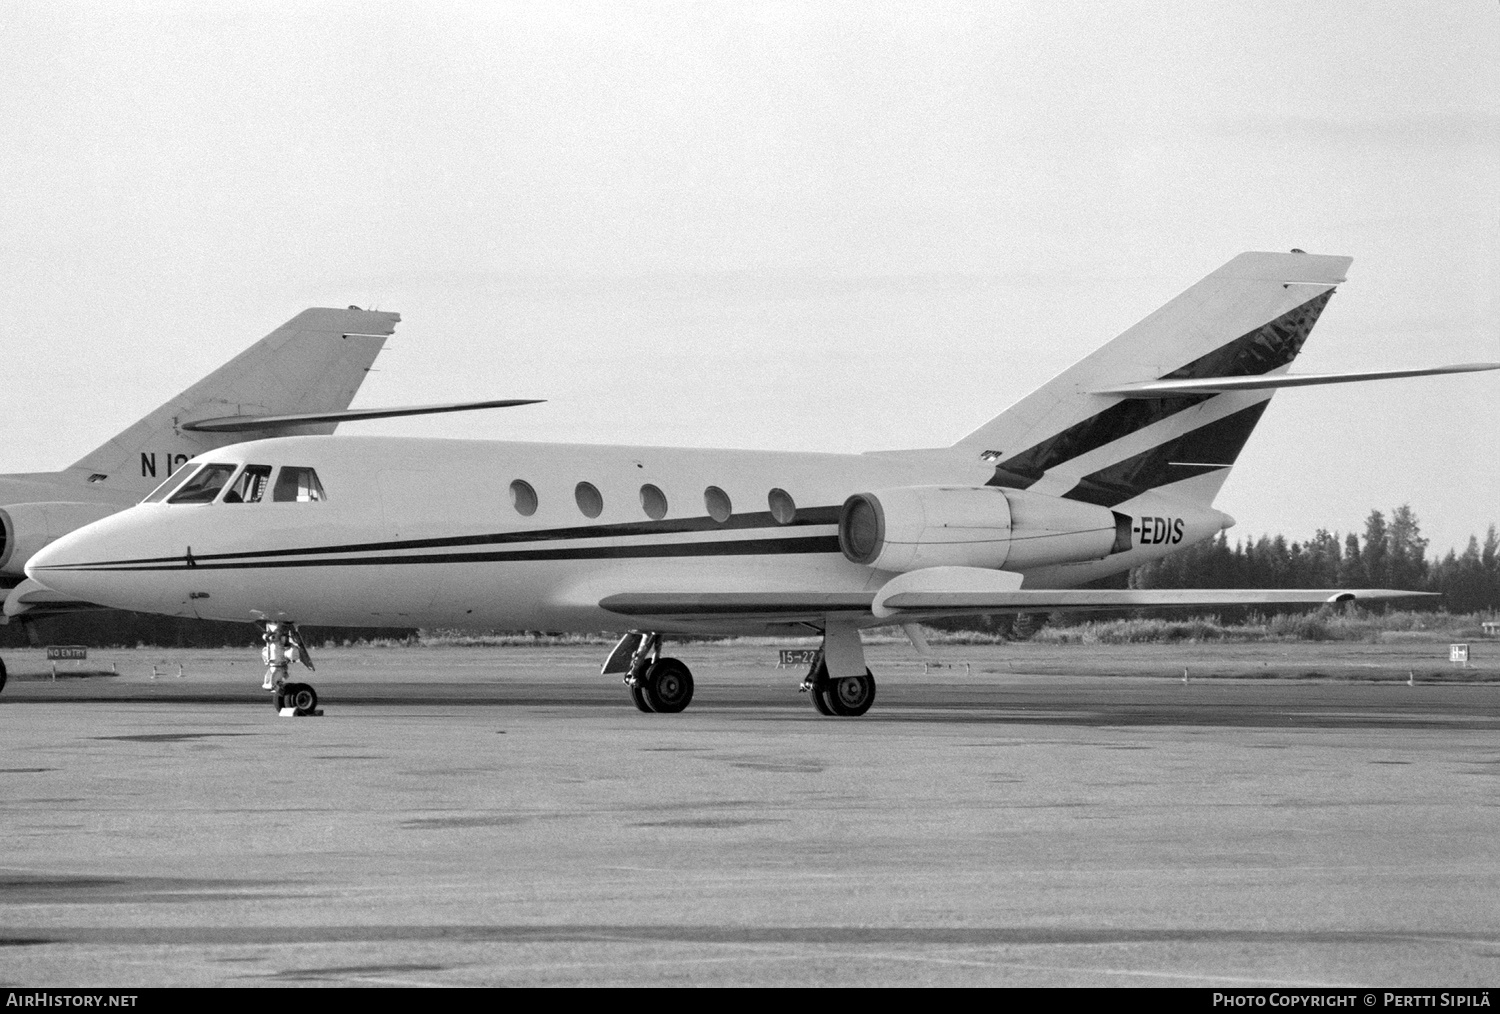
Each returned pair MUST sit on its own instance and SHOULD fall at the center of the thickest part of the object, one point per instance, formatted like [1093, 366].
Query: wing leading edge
[933, 601]
[933, 604]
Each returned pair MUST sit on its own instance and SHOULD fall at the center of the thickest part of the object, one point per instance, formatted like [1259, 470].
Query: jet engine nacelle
[912, 527]
[27, 527]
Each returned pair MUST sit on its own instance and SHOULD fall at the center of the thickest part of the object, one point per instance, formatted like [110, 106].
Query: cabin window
[205, 484]
[717, 502]
[653, 502]
[250, 486]
[523, 498]
[172, 481]
[783, 507]
[589, 500]
[297, 485]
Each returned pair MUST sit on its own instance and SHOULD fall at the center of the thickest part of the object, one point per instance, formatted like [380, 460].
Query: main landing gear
[844, 697]
[662, 685]
[284, 645]
[838, 681]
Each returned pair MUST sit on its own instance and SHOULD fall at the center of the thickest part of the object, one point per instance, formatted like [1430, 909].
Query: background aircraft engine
[975, 526]
[27, 527]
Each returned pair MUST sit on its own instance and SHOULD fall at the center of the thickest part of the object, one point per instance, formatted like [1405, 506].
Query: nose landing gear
[283, 646]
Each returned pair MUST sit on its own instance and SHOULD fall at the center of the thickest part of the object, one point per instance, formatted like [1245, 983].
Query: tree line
[1391, 554]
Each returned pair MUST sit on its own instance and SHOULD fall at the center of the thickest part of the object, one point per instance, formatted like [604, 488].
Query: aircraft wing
[936, 592]
[771, 607]
[247, 423]
[931, 604]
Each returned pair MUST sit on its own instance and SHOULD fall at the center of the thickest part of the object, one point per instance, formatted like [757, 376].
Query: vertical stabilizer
[314, 362]
[1248, 318]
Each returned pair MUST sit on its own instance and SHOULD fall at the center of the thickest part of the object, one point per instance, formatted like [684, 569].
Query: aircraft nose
[124, 561]
[86, 564]
[54, 565]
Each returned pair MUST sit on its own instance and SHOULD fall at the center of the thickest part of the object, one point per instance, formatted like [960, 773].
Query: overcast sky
[792, 226]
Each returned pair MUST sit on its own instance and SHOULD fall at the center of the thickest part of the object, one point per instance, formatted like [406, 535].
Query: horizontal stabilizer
[246, 423]
[1267, 382]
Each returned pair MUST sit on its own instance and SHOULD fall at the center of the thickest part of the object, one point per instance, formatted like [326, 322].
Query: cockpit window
[204, 485]
[297, 484]
[174, 480]
[250, 486]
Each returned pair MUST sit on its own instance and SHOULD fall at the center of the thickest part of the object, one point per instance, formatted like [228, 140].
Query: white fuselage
[423, 532]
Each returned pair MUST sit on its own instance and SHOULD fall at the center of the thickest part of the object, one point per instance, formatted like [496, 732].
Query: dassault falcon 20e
[1114, 463]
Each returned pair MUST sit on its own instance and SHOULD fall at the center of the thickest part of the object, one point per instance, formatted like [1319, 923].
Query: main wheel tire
[818, 689]
[851, 696]
[667, 686]
[278, 699]
[2, 674]
[301, 696]
[639, 697]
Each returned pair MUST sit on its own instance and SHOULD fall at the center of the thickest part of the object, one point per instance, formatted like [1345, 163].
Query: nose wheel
[300, 697]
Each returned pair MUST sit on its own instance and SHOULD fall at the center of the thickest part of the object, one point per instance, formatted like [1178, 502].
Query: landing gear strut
[662, 685]
[284, 645]
[848, 694]
[848, 697]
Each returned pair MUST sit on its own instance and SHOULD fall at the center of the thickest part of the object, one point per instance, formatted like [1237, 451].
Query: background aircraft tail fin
[1248, 318]
[314, 362]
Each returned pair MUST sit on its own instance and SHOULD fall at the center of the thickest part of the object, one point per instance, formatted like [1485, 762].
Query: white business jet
[299, 379]
[1113, 464]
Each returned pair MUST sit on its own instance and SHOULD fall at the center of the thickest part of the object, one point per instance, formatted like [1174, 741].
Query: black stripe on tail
[1272, 345]
[1197, 452]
